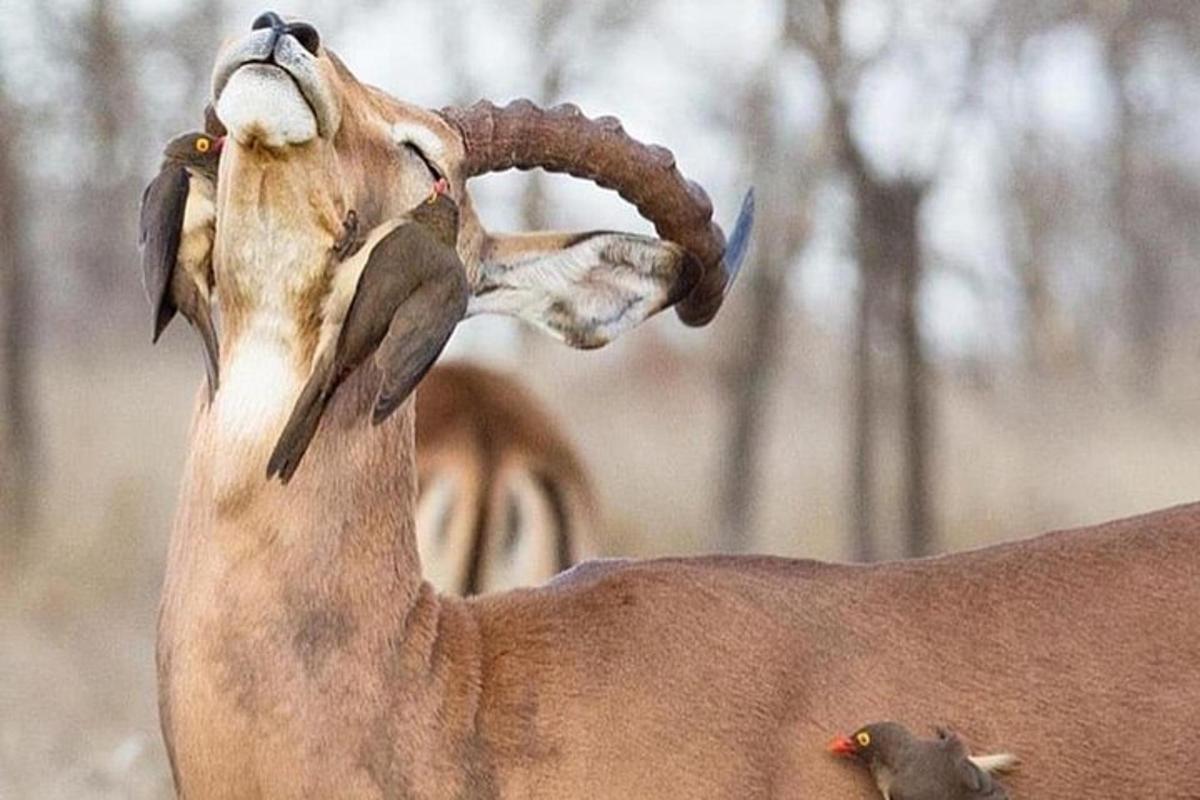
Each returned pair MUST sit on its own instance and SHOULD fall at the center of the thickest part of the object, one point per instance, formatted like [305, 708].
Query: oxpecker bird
[907, 768]
[399, 296]
[178, 223]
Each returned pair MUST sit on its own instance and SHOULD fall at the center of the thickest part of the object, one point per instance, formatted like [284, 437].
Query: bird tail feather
[996, 762]
[299, 431]
[212, 353]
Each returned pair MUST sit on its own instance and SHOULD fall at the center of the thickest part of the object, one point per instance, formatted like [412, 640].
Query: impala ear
[583, 288]
[212, 123]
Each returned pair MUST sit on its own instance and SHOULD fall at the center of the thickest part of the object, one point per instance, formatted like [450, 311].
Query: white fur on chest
[259, 384]
[261, 372]
[272, 252]
[259, 381]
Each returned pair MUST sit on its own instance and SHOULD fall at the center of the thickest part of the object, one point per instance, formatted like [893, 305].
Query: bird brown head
[439, 213]
[877, 743]
[199, 151]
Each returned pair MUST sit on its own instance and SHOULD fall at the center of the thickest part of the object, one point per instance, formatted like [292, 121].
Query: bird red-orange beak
[218, 143]
[843, 746]
[440, 187]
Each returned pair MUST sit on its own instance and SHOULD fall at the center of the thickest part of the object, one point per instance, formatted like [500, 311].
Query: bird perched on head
[399, 296]
[178, 223]
[907, 768]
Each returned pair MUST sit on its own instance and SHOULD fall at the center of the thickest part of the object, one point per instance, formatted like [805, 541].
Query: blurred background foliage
[970, 314]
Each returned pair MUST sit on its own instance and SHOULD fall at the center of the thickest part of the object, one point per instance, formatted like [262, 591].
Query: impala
[302, 655]
[504, 500]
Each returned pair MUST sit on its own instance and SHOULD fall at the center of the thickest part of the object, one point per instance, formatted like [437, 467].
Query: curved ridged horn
[561, 139]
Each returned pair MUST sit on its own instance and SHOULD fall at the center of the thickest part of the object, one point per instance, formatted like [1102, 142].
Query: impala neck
[342, 527]
[284, 605]
[346, 516]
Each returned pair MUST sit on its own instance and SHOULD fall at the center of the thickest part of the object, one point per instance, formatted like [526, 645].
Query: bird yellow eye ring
[202, 145]
[863, 738]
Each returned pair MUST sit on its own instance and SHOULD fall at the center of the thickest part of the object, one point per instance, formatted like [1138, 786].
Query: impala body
[504, 501]
[302, 655]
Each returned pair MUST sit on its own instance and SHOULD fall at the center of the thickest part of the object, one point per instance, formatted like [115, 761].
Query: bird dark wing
[163, 205]
[434, 302]
[980, 784]
[411, 294]
[302, 423]
[951, 744]
[970, 776]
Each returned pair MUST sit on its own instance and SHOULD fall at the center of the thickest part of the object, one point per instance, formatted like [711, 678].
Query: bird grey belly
[884, 778]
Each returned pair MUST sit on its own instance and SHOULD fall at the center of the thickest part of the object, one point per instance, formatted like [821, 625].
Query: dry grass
[77, 708]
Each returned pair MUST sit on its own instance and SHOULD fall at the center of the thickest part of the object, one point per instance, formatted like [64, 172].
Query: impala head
[308, 146]
[294, 113]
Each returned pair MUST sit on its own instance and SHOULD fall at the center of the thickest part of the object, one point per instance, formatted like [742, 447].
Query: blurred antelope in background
[301, 654]
[504, 501]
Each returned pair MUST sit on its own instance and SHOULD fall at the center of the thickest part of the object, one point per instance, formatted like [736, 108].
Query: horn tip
[702, 304]
[739, 239]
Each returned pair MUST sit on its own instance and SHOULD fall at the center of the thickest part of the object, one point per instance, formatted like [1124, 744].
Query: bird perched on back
[907, 768]
[178, 224]
[400, 296]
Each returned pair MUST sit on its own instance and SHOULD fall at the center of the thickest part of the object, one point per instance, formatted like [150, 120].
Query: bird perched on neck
[399, 296]
[907, 768]
[178, 224]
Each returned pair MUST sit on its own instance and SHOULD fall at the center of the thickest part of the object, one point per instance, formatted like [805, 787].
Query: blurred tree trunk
[890, 273]
[862, 444]
[195, 39]
[920, 536]
[1146, 293]
[749, 387]
[782, 228]
[1126, 30]
[533, 196]
[890, 270]
[551, 16]
[1035, 193]
[454, 54]
[871, 246]
[18, 438]
[107, 212]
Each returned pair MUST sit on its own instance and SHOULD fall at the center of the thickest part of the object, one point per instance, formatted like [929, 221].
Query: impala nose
[304, 33]
[268, 19]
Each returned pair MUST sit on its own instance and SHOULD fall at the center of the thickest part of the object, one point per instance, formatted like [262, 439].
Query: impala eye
[429, 165]
[863, 738]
